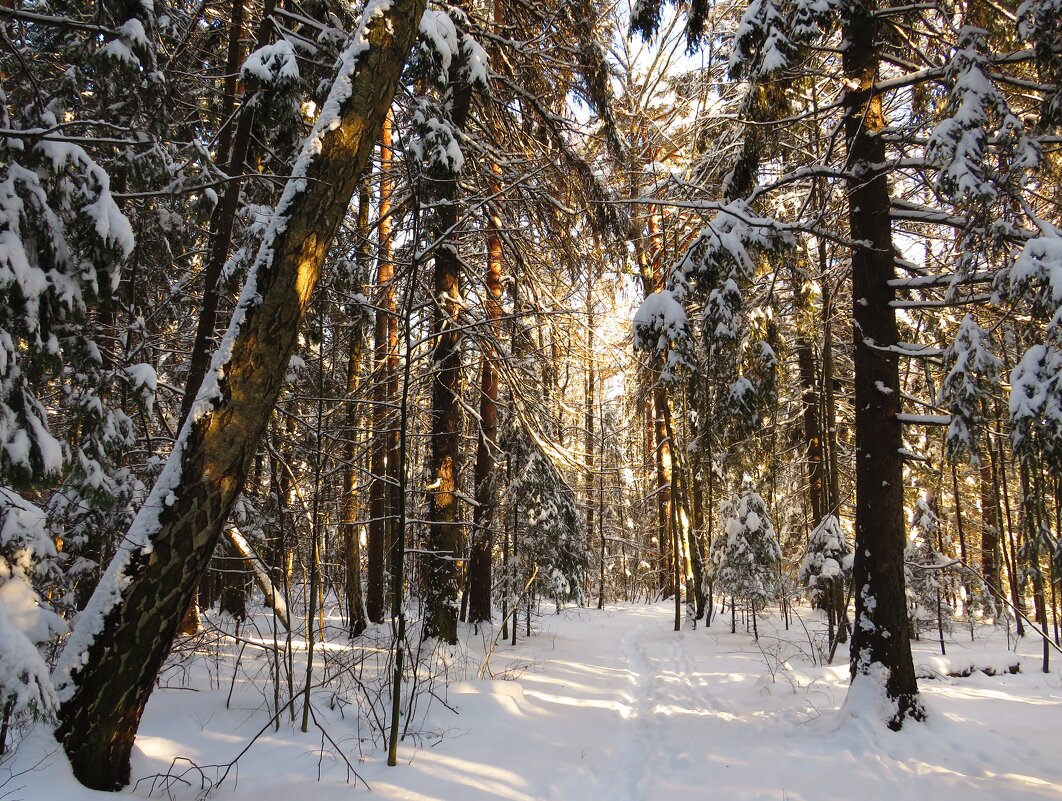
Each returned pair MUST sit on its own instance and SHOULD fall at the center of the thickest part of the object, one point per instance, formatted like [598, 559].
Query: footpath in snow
[615, 706]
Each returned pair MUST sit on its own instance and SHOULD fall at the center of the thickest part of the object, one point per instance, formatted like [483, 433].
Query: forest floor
[606, 705]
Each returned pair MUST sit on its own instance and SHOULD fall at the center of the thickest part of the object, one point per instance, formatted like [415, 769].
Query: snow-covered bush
[828, 560]
[746, 556]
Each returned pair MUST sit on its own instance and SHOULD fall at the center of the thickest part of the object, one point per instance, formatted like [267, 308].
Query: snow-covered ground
[603, 706]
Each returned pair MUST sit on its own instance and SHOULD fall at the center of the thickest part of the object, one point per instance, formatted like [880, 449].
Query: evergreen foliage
[747, 554]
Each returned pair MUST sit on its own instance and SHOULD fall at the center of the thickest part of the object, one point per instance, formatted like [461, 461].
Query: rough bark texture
[445, 533]
[880, 637]
[99, 719]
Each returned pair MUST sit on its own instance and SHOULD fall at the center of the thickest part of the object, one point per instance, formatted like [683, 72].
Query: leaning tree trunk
[110, 663]
[881, 647]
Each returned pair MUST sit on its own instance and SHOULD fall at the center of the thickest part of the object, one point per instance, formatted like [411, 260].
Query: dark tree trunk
[989, 531]
[114, 656]
[445, 534]
[357, 619]
[236, 148]
[880, 636]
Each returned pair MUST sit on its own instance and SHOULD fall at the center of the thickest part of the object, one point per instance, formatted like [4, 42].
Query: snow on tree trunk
[120, 641]
[880, 647]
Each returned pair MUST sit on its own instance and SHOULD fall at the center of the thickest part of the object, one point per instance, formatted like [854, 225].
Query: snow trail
[615, 705]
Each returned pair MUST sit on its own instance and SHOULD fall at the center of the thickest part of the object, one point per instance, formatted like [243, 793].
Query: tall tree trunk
[486, 460]
[357, 618]
[663, 490]
[990, 529]
[110, 663]
[687, 563]
[385, 370]
[588, 428]
[445, 533]
[881, 647]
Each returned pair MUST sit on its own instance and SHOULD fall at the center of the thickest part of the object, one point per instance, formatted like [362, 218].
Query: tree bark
[663, 491]
[881, 648]
[588, 430]
[445, 534]
[109, 666]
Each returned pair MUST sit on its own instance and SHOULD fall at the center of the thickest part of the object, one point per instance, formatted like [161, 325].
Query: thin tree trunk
[1009, 556]
[989, 529]
[236, 148]
[223, 220]
[382, 455]
[588, 419]
[663, 490]
[357, 618]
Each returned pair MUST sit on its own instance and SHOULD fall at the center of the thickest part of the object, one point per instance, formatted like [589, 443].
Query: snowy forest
[511, 399]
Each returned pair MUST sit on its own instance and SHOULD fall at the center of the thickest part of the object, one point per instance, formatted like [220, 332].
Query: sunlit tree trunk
[383, 455]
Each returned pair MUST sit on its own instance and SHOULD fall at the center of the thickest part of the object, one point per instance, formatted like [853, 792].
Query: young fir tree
[826, 568]
[553, 535]
[747, 554]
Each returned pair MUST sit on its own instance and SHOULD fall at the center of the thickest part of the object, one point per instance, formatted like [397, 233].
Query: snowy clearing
[610, 705]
